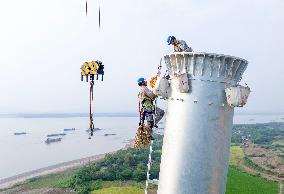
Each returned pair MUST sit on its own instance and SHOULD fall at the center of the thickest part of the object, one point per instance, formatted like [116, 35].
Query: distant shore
[105, 114]
[73, 164]
[66, 115]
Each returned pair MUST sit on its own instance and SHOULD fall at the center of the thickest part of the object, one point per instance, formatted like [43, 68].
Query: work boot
[156, 126]
[152, 138]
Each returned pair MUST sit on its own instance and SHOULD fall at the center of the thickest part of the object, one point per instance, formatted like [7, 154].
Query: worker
[179, 45]
[147, 109]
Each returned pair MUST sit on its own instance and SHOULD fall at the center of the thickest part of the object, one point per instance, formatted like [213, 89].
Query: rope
[99, 17]
[99, 3]
[86, 7]
[149, 166]
[91, 112]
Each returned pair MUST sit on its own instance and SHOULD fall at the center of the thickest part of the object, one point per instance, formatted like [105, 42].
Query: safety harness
[148, 105]
[143, 134]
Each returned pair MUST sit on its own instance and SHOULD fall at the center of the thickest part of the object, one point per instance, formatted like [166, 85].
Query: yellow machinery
[90, 70]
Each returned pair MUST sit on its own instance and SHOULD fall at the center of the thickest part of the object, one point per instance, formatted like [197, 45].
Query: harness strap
[147, 105]
[148, 98]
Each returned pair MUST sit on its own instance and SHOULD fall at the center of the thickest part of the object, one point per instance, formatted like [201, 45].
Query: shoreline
[20, 178]
[9, 182]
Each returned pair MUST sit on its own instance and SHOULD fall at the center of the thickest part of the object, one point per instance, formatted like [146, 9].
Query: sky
[44, 42]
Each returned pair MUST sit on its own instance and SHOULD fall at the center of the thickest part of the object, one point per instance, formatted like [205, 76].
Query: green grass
[58, 180]
[243, 183]
[238, 182]
[107, 184]
[119, 190]
[236, 155]
[279, 143]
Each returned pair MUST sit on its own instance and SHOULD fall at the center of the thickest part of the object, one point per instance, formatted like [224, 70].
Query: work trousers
[149, 115]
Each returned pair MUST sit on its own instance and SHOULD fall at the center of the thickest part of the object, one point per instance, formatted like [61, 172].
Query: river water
[23, 153]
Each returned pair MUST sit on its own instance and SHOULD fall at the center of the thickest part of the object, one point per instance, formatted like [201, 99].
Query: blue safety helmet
[141, 80]
[170, 39]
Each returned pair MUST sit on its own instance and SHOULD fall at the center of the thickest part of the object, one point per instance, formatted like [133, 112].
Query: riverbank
[57, 168]
[10, 181]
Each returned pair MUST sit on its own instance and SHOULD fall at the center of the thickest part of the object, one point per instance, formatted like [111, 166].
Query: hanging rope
[99, 12]
[149, 166]
[86, 7]
[148, 180]
[99, 17]
[91, 112]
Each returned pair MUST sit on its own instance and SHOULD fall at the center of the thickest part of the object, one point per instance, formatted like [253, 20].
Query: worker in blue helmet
[146, 106]
[179, 45]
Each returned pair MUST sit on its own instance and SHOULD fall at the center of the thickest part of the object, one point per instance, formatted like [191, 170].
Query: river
[23, 153]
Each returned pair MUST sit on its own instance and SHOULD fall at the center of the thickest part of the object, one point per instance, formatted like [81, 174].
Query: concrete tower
[199, 124]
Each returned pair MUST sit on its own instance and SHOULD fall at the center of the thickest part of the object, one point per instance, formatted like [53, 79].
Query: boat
[52, 140]
[20, 133]
[72, 129]
[56, 134]
[95, 129]
[109, 134]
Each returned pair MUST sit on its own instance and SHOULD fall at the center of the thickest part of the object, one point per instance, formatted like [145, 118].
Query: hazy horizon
[43, 44]
[104, 114]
